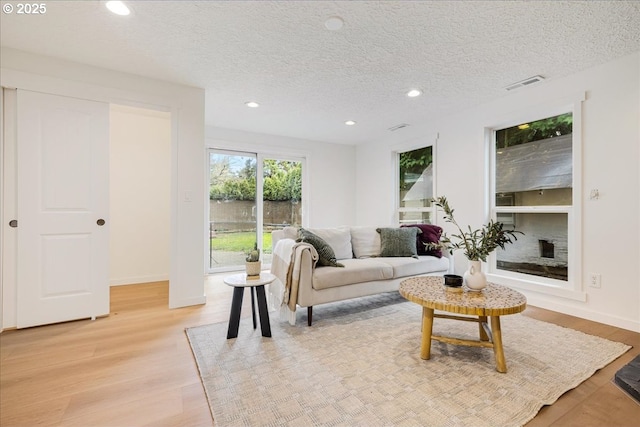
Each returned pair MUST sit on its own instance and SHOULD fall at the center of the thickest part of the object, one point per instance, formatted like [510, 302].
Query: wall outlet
[594, 280]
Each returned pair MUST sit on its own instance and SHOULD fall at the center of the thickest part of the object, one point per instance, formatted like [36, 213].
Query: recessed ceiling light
[334, 23]
[118, 7]
[252, 104]
[349, 123]
[414, 92]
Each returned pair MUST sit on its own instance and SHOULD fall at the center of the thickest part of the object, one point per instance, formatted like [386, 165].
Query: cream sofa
[365, 272]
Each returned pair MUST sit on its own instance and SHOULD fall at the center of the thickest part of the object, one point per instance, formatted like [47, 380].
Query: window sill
[542, 288]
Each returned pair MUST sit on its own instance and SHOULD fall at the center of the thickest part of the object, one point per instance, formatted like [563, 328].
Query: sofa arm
[307, 265]
[304, 257]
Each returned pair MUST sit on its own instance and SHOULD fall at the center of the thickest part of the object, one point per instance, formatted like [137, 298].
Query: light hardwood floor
[135, 368]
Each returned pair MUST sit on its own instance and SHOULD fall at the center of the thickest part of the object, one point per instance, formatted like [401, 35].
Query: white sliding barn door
[63, 195]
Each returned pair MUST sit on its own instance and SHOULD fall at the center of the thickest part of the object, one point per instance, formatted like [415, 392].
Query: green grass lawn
[239, 242]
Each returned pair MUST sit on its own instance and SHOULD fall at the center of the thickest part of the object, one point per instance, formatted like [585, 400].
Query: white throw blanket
[285, 265]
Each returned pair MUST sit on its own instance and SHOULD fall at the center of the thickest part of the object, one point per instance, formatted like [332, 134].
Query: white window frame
[396, 173]
[573, 287]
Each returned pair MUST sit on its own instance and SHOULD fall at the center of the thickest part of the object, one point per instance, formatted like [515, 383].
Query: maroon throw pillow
[430, 234]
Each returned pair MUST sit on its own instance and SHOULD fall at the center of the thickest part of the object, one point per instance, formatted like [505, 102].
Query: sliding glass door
[250, 195]
[281, 198]
[232, 208]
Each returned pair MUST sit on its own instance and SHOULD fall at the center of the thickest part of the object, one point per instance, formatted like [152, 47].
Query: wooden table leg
[265, 327]
[483, 333]
[234, 316]
[501, 364]
[427, 328]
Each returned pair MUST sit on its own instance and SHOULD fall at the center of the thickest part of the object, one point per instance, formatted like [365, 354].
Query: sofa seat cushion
[354, 271]
[406, 266]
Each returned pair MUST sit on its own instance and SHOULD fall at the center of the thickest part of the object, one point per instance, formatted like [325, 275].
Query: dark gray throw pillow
[326, 255]
[396, 242]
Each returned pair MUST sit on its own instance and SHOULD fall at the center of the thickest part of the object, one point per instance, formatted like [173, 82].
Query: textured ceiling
[309, 80]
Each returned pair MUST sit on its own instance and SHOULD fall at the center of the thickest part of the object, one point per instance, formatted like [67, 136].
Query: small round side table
[256, 284]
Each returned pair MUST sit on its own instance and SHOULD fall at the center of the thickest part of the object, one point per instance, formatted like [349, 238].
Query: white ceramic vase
[474, 278]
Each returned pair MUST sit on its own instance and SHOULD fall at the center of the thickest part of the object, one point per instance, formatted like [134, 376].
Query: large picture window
[415, 186]
[533, 192]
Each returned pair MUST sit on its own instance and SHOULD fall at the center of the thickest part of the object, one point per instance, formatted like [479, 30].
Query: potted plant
[253, 264]
[476, 244]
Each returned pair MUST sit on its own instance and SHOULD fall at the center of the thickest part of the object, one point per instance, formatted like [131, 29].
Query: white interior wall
[186, 106]
[330, 171]
[140, 182]
[610, 225]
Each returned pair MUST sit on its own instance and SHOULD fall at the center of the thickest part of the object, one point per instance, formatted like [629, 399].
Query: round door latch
[13, 223]
[100, 222]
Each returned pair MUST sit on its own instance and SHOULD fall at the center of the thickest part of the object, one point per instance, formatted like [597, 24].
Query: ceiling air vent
[525, 82]
[396, 127]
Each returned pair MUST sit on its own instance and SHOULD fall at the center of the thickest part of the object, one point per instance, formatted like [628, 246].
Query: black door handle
[100, 222]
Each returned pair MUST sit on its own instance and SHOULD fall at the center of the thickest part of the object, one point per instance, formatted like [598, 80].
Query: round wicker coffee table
[493, 301]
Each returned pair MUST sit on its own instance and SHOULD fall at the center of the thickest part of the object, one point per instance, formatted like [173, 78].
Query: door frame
[8, 212]
[3, 239]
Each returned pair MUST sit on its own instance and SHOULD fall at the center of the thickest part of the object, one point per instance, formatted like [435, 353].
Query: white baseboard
[138, 279]
[607, 319]
[187, 302]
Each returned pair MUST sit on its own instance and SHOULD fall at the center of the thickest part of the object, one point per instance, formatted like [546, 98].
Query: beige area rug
[359, 365]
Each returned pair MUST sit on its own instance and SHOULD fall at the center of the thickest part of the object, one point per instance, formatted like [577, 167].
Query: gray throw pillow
[395, 242]
[326, 255]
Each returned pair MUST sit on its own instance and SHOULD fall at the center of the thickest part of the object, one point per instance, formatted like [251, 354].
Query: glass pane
[416, 178]
[282, 197]
[534, 163]
[543, 249]
[415, 217]
[232, 208]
